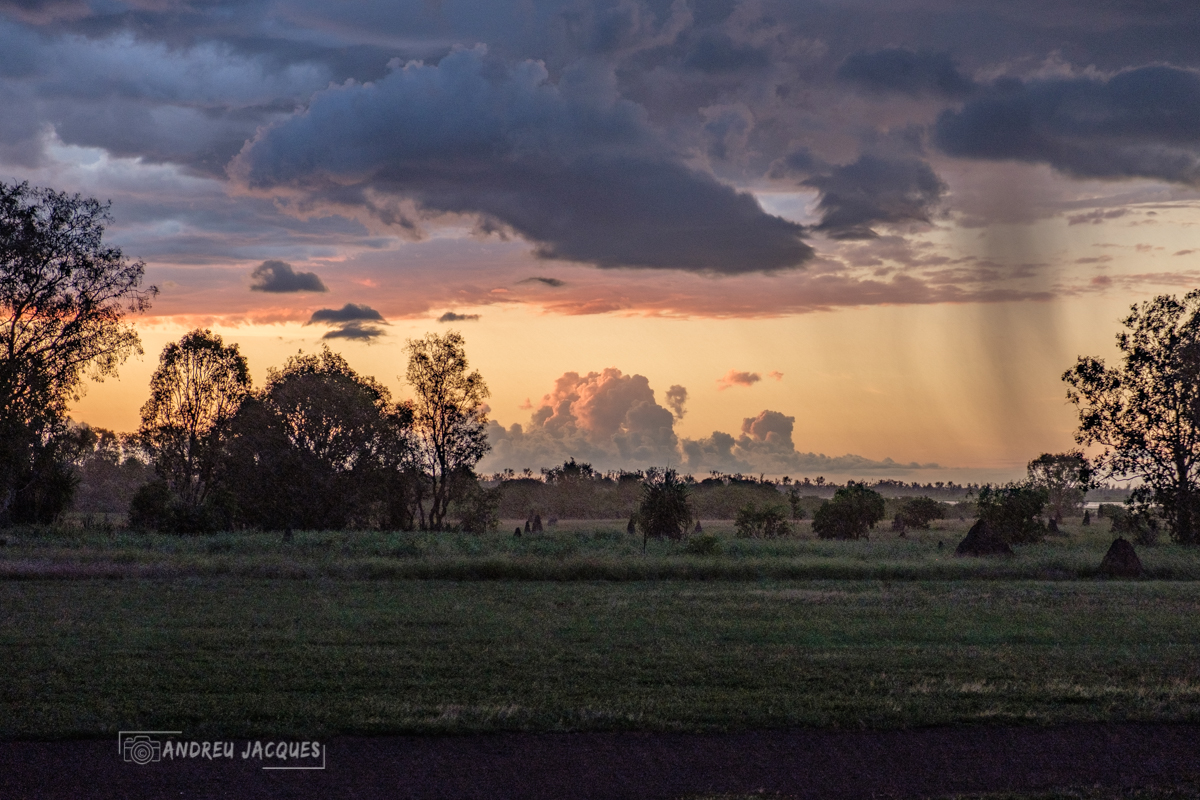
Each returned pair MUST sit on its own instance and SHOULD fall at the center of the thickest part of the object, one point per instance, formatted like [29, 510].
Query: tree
[768, 522]
[64, 296]
[1012, 511]
[918, 512]
[198, 387]
[448, 421]
[664, 510]
[1145, 412]
[318, 447]
[853, 510]
[1065, 477]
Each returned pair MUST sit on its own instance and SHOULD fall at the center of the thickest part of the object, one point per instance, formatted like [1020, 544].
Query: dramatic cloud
[612, 421]
[569, 166]
[907, 72]
[676, 399]
[735, 378]
[351, 312]
[608, 419]
[875, 190]
[1142, 122]
[450, 316]
[278, 276]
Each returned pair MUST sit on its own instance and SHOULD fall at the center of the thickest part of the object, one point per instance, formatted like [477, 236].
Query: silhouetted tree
[63, 300]
[664, 510]
[1065, 477]
[199, 385]
[853, 511]
[448, 421]
[317, 447]
[1146, 411]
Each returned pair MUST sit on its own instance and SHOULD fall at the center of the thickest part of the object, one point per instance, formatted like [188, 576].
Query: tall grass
[569, 552]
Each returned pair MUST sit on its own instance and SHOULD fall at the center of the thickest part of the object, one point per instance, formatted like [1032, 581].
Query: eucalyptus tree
[197, 389]
[1145, 412]
[448, 422]
[65, 297]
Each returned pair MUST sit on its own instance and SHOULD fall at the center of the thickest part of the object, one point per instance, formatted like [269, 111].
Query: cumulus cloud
[1142, 122]
[905, 71]
[765, 445]
[278, 276]
[607, 418]
[676, 399]
[450, 316]
[351, 312]
[612, 421]
[735, 378]
[569, 166]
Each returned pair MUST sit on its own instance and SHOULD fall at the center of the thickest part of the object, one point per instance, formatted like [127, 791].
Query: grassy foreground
[233, 657]
[574, 551]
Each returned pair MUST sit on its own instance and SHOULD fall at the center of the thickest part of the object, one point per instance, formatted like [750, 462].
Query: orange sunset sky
[849, 239]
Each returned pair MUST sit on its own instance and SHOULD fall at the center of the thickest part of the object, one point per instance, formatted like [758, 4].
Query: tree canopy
[64, 297]
[449, 421]
[1145, 412]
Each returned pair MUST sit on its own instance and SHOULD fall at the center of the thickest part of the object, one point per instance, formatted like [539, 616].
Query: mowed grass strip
[233, 657]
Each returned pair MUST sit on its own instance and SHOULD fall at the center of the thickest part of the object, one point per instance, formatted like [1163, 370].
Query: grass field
[247, 635]
[572, 551]
[244, 657]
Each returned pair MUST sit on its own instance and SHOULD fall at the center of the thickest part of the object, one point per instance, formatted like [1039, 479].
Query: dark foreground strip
[796, 763]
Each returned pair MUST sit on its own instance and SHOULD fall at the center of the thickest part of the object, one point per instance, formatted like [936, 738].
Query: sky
[854, 238]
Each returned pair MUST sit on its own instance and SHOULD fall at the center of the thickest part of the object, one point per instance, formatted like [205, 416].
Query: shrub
[480, 510]
[917, 512]
[703, 545]
[1012, 511]
[1138, 523]
[850, 514]
[664, 510]
[769, 522]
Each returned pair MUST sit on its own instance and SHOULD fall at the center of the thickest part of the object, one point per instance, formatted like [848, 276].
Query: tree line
[322, 446]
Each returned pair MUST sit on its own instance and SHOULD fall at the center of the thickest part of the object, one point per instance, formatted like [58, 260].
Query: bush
[664, 510]
[769, 522]
[850, 514]
[1139, 524]
[1012, 511]
[480, 510]
[918, 512]
[703, 545]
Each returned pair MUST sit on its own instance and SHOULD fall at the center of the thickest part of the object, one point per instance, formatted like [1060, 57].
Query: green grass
[572, 552]
[229, 656]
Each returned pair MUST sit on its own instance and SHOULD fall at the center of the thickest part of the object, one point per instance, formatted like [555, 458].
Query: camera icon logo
[141, 749]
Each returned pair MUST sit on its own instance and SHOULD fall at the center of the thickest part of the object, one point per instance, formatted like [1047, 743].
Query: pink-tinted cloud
[776, 374]
[735, 378]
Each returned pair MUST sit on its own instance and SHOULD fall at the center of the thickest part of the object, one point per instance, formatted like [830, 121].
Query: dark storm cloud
[278, 276]
[875, 190]
[716, 53]
[351, 312]
[450, 316]
[551, 282]
[1144, 122]
[355, 331]
[569, 166]
[906, 71]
